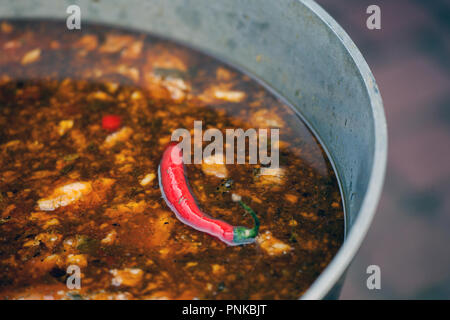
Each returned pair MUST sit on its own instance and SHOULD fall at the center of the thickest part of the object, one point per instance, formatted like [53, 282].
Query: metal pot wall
[298, 50]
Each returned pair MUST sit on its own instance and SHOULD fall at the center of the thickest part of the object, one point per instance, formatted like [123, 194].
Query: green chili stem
[243, 234]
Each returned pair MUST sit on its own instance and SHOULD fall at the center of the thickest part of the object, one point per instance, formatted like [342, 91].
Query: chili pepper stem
[244, 235]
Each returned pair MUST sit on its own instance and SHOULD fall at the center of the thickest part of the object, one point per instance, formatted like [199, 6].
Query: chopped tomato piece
[111, 122]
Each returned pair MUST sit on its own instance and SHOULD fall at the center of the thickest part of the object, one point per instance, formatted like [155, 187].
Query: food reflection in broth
[77, 188]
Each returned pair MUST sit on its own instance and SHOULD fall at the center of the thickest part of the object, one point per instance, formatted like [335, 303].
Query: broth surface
[55, 87]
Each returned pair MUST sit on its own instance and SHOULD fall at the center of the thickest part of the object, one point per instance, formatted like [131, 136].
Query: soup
[85, 118]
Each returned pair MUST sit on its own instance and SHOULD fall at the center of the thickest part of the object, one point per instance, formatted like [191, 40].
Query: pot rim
[339, 264]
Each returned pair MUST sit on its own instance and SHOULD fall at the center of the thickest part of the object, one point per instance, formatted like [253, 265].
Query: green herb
[71, 157]
[92, 148]
[64, 171]
[293, 237]
[87, 245]
[97, 105]
[110, 250]
[4, 220]
[134, 191]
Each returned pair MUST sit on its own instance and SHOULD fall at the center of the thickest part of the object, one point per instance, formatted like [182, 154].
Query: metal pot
[298, 50]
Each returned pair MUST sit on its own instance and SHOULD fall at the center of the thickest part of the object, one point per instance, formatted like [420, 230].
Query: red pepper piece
[111, 122]
[176, 192]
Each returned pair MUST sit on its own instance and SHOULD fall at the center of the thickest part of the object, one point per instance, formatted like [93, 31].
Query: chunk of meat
[114, 43]
[291, 198]
[222, 93]
[65, 195]
[90, 193]
[174, 85]
[231, 95]
[265, 118]
[31, 56]
[271, 176]
[177, 88]
[271, 245]
[147, 179]
[214, 165]
[41, 265]
[129, 277]
[133, 51]
[218, 269]
[77, 259]
[88, 42]
[110, 238]
[125, 156]
[128, 71]
[120, 136]
[223, 74]
[49, 239]
[64, 126]
[167, 60]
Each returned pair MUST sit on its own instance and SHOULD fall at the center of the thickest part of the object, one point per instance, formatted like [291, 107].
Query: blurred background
[410, 58]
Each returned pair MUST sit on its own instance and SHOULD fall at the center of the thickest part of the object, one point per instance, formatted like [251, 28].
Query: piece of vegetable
[225, 186]
[71, 157]
[176, 192]
[111, 122]
[64, 171]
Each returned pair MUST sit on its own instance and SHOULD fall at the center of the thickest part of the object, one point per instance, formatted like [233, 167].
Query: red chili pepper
[176, 192]
[111, 122]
